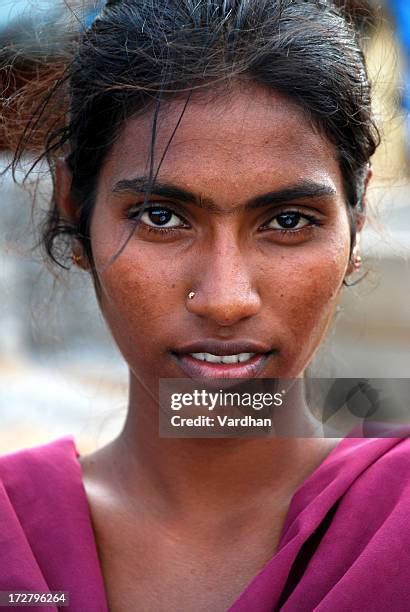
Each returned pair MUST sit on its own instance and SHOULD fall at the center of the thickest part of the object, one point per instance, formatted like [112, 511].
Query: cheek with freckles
[137, 301]
[304, 307]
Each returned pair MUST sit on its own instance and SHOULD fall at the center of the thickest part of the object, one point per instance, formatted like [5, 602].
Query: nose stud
[191, 295]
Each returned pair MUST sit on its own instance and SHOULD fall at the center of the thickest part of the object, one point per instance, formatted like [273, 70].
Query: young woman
[211, 178]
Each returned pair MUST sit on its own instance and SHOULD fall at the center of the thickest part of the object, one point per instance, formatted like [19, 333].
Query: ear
[360, 221]
[62, 192]
[67, 207]
[361, 217]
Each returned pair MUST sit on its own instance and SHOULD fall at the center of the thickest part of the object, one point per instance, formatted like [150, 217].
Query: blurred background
[60, 372]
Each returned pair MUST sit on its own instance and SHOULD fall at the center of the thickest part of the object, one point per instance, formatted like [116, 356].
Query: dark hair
[138, 53]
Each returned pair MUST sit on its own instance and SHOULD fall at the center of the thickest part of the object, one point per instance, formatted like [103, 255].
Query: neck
[194, 474]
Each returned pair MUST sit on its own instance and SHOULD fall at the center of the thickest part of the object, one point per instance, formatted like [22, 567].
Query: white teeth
[245, 356]
[240, 358]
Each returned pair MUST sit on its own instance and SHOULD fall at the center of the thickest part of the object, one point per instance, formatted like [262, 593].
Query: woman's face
[248, 212]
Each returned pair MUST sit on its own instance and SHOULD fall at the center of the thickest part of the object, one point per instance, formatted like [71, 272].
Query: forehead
[248, 134]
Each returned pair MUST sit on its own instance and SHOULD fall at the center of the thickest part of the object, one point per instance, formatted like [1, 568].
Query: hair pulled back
[138, 53]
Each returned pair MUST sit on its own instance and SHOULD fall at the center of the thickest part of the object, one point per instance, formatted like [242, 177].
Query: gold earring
[76, 259]
[357, 262]
[356, 259]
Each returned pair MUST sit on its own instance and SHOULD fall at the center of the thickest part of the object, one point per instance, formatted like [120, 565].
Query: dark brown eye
[288, 220]
[159, 216]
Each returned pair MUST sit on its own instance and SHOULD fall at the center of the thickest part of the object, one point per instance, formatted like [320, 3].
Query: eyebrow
[300, 191]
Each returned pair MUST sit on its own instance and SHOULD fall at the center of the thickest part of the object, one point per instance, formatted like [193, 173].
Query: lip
[195, 368]
[216, 347]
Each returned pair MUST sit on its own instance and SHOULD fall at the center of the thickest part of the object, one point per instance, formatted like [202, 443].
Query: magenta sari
[345, 545]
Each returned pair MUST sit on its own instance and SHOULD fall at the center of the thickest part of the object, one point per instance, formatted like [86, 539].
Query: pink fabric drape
[345, 544]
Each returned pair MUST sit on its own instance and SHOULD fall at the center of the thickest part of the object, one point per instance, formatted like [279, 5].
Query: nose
[224, 287]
